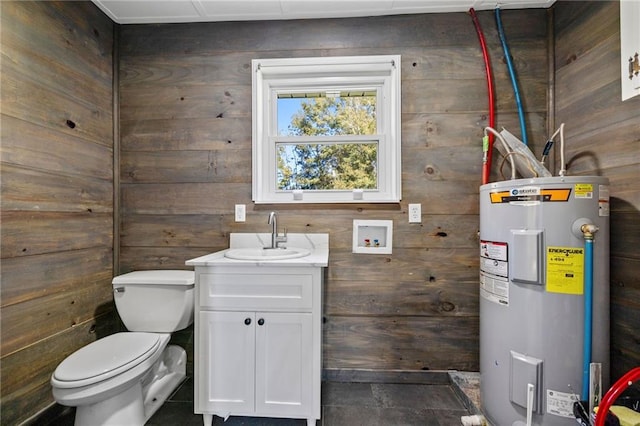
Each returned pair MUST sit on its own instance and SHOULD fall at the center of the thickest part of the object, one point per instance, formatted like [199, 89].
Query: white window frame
[271, 76]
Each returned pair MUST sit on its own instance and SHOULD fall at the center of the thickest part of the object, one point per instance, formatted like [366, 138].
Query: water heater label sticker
[494, 289]
[493, 258]
[560, 403]
[584, 190]
[495, 267]
[530, 195]
[603, 200]
[493, 250]
[494, 272]
[565, 270]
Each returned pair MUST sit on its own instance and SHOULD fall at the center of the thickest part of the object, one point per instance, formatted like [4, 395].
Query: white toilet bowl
[122, 379]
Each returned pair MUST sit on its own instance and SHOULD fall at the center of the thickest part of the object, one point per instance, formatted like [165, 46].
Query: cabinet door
[284, 364]
[227, 354]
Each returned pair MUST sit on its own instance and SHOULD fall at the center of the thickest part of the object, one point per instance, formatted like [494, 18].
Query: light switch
[241, 212]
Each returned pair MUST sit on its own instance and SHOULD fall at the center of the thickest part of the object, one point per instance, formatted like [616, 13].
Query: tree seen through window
[327, 165]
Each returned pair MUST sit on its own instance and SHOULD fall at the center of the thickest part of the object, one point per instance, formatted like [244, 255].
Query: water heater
[535, 291]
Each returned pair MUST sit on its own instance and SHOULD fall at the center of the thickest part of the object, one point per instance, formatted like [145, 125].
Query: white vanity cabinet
[258, 343]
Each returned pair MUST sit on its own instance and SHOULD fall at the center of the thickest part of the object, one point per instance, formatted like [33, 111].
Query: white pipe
[530, 391]
[506, 149]
[474, 420]
[563, 166]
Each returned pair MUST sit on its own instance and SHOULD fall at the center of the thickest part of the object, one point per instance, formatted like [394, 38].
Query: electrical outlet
[415, 213]
[241, 213]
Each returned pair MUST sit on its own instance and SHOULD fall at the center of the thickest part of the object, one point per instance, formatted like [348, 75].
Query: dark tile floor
[353, 403]
[343, 404]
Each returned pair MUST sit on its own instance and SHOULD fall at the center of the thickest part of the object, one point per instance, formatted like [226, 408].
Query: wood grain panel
[67, 50]
[625, 231]
[436, 231]
[401, 343]
[570, 89]
[61, 112]
[421, 264]
[25, 144]
[625, 336]
[189, 133]
[624, 188]
[26, 374]
[391, 298]
[583, 27]
[441, 164]
[176, 118]
[426, 30]
[623, 272]
[470, 95]
[582, 154]
[29, 233]
[186, 102]
[173, 231]
[225, 165]
[602, 139]
[439, 231]
[138, 258]
[411, 30]
[35, 191]
[435, 191]
[38, 318]
[601, 108]
[176, 198]
[51, 273]
[53, 80]
[418, 63]
[230, 68]
[57, 192]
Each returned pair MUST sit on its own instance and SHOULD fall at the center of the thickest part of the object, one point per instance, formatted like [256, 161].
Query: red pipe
[486, 164]
[614, 392]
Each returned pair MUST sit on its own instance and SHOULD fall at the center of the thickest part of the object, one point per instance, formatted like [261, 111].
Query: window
[326, 130]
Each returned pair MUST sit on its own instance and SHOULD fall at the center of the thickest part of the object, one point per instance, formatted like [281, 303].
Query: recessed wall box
[372, 236]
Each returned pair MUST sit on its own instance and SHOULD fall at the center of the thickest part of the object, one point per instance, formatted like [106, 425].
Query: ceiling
[174, 11]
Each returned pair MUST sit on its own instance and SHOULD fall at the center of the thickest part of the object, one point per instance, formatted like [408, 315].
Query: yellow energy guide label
[565, 270]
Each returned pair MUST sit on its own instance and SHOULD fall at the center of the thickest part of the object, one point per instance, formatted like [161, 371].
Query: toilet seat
[105, 358]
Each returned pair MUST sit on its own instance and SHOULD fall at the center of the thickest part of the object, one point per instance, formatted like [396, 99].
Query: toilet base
[135, 405]
[165, 377]
[125, 408]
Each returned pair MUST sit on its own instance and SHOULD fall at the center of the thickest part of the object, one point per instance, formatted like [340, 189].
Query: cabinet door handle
[261, 321]
[247, 321]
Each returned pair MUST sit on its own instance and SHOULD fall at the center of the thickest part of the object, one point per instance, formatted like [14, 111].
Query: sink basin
[266, 254]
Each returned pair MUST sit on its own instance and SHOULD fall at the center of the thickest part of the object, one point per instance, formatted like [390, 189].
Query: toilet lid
[157, 277]
[107, 357]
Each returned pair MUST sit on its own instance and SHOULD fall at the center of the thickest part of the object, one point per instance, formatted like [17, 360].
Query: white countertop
[317, 244]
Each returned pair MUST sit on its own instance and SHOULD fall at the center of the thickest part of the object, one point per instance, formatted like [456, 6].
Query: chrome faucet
[275, 239]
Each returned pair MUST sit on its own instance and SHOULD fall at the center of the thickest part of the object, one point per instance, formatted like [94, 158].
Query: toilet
[123, 379]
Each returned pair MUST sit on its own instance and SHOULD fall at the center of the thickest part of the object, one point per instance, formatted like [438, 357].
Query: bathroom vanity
[258, 328]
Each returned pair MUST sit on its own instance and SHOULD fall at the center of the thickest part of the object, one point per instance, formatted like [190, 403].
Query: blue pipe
[588, 315]
[512, 74]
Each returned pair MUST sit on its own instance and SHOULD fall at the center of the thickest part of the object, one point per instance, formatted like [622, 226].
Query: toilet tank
[159, 301]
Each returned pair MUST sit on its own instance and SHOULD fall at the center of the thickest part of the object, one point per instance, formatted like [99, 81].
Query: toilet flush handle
[118, 290]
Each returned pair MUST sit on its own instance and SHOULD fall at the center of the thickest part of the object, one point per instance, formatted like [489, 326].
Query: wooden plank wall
[57, 192]
[603, 138]
[185, 102]
[185, 123]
